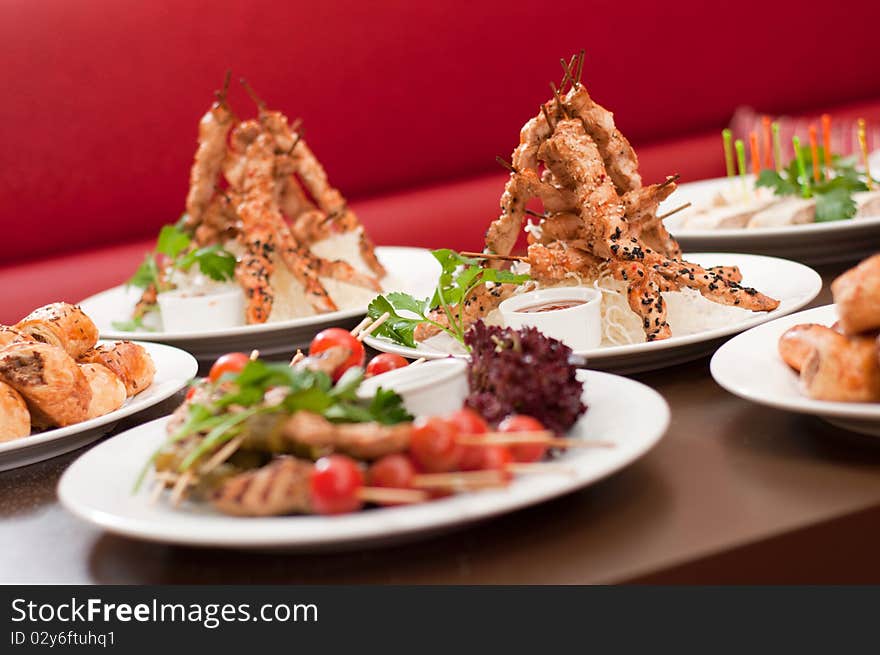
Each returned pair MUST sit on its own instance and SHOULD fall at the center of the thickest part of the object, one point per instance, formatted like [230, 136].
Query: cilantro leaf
[172, 241]
[215, 262]
[834, 205]
[387, 407]
[146, 274]
[772, 180]
[397, 328]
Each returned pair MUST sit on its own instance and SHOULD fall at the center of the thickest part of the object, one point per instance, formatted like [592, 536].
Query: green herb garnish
[135, 324]
[459, 277]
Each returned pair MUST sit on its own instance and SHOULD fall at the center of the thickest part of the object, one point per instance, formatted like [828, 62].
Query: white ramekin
[578, 327]
[192, 312]
[433, 388]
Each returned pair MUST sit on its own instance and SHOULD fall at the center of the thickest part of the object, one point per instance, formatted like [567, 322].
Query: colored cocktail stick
[863, 144]
[767, 142]
[756, 154]
[826, 143]
[802, 168]
[727, 138]
[741, 163]
[777, 147]
[814, 153]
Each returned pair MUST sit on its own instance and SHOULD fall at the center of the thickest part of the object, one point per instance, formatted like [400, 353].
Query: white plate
[411, 270]
[750, 367]
[98, 486]
[813, 243]
[174, 369]
[793, 284]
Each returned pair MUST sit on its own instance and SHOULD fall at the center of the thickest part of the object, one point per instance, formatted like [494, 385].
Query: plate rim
[673, 343]
[240, 331]
[141, 529]
[801, 404]
[34, 441]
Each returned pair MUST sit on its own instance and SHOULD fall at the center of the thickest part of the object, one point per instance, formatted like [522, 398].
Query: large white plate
[411, 270]
[98, 486]
[174, 369]
[749, 366]
[793, 284]
[813, 243]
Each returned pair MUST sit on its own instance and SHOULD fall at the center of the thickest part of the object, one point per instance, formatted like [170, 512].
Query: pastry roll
[53, 386]
[11, 335]
[15, 419]
[63, 325]
[857, 296]
[108, 392]
[128, 360]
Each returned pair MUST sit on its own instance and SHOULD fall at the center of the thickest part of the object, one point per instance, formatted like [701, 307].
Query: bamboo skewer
[489, 255]
[356, 330]
[372, 327]
[297, 358]
[385, 495]
[663, 217]
[420, 360]
[505, 163]
[545, 437]
[221, 455]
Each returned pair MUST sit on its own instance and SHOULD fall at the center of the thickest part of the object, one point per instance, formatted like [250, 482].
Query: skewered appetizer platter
[823, 361]
[818, 207]
[313, 454]
[267, 248]
[61, 387]
[600, 264]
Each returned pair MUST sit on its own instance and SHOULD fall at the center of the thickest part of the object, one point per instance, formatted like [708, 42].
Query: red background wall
[101, 98]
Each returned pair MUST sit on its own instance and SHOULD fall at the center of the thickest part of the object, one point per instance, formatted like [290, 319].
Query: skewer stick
[547, 117]
[255, 355]
[545, 437]
[566, 74]
[741, 162]
[814, 153]
[767, 142]
[489, 255]
[180, 486]
[559, 100]
[420, 360]
[802, 168]
[777, 147]
[580, 65]
[505, 163]
[540, 468]
[156, 492]
[297, 358]
[826, 143]
[727, 141]
[460, 480]
[356, 330]
[532, 212]
[383, 495]
[253, 96]
[863, 144]
[662, 217]
[756, 155]
[372, 327]
[670, 179]
[221, 455]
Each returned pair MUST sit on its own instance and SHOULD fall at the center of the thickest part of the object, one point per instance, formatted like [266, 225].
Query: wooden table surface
[734, 493]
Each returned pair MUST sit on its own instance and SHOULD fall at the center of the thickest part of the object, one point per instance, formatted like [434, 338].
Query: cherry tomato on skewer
[337, 337]
[334, 483]
[434, 445]
[384, 363]
[525, 452]
[228, 363]
[394, 471]
[469, 422]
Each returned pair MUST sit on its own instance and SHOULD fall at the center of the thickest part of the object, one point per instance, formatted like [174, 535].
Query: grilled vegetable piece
[129, 361]
[361, 440]
[281, 487]
[108, 392]
[15, 419]
[61, 324]
[55, 389]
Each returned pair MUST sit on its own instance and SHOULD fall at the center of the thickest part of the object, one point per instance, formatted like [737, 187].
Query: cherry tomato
[496, 458]
[526, 452]
[333, 337]
[434, 445]
[467, 421]
[333, 485]
[385, 362]
[393, 471]
[228, 363]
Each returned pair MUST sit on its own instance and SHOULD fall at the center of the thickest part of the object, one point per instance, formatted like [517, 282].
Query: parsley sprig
[226, 417]
[834, 201]
[459, 277]
[174, 247]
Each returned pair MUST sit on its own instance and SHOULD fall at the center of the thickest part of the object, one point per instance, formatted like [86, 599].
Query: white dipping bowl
[578, 327]
[433, 388]
[188, 311]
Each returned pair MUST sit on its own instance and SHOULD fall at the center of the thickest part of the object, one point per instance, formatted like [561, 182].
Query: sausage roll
[108, 392]
[11, 335]
[63, 325]
[15, 419]
[128, 360]
[857, 296]
[53, 386]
